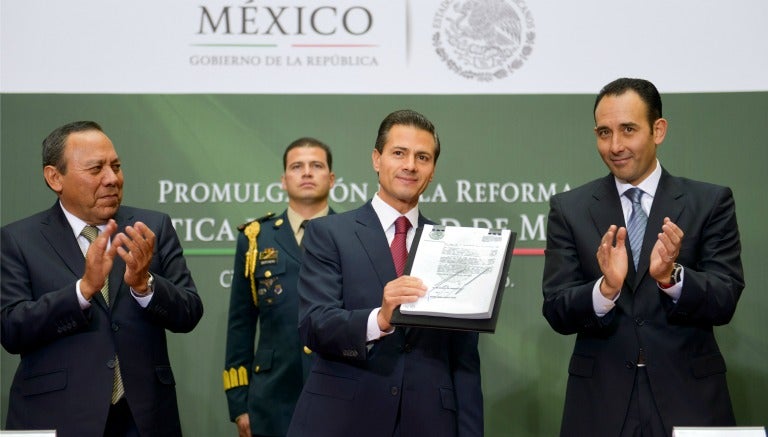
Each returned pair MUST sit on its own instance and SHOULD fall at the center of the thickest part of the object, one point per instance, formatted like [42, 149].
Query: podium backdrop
[204, 143]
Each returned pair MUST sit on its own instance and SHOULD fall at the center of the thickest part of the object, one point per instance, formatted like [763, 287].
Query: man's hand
[243, 425]
[98, 262]
[136, 246]
[665, 251]
[402, 290]
[613, 261]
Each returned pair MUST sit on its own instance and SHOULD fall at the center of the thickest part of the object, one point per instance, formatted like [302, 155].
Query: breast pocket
[270, 277]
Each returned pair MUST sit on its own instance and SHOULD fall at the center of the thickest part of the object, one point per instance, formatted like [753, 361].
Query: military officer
[262, 386]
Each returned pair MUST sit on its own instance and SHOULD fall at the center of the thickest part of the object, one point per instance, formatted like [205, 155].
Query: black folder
[456, 323]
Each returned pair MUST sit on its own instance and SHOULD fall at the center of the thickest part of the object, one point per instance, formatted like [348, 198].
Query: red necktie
[398, 247]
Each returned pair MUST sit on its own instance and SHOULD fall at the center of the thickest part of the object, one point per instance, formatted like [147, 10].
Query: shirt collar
[387, 215]
[295, 219]
[648, 185]
[75, 223]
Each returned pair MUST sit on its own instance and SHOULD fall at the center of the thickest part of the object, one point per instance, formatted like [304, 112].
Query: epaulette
[267, 216]
[251, 230]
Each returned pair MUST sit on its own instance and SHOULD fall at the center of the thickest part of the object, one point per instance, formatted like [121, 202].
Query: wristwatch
[677, 274]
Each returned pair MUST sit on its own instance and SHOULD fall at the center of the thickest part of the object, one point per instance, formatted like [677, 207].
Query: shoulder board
[265, 217]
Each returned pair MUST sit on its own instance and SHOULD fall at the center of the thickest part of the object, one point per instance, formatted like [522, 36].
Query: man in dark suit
[91, 329]
[645, 358]
[262, 388]
[371, 378]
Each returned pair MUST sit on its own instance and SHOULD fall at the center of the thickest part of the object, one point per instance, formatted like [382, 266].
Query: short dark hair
[645, 89]
[309, 142]
[53, 144]
[406, 117]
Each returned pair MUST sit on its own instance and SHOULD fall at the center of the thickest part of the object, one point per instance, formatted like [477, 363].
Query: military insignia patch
[268, 256]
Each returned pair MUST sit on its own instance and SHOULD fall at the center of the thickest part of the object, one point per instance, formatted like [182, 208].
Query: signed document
[464, 268]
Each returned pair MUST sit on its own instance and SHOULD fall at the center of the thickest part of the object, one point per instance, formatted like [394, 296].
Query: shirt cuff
[373, 332]
[142, 299]
[674, 291]
[84, 303]
[601, 304]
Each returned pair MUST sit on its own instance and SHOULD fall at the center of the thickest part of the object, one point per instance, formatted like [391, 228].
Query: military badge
[268, 256]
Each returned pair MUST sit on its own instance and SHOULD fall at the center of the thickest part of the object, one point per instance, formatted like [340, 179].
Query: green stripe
[204, 252]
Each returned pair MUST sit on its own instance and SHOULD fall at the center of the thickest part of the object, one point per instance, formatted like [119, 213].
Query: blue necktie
[636, 223]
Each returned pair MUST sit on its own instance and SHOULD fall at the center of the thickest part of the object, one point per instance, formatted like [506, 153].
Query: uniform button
[394, 391]
[267, 274]
[307, 350]
[257, 369]
[111, 364]
[115, 327]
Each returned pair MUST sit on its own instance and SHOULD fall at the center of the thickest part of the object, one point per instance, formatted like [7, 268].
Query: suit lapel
[374, 242]
[116, 276]
[56, 230]
[606, 210]
[605, 207]
[666, 203]
[59, 234]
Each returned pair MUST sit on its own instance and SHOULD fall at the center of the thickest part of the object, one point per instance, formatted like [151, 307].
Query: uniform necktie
[90, 233]
[302, 227]
[398, 247]
[636, 224]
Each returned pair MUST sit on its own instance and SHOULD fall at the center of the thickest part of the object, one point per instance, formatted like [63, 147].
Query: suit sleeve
[241, 332]
[32, 318]
[711, 257]
[175, 304]
[567, 289]
[326, 325]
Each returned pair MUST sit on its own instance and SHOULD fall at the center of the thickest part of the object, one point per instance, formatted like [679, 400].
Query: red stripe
[528, 252]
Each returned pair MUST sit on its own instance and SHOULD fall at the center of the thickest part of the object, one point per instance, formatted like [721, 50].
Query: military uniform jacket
[265, 381]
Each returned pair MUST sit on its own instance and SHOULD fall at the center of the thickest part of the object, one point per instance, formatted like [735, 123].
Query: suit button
[629, 365]
[639, 321]
[394, 391]
[111, 364]
[115, 327]
[407, 348]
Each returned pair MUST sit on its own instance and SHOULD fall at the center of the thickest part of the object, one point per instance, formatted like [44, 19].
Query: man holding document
[371, 378]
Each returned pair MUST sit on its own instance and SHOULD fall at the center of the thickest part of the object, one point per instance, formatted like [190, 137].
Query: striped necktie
[118, 391]
[636, 223]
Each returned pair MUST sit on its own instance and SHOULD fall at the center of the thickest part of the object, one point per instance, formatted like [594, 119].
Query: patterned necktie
[118, 391]
[398, 247]
[636, 223]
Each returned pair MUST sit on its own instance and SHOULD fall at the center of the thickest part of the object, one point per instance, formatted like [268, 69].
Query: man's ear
[375, 157]
[52, 177]
[659, 130]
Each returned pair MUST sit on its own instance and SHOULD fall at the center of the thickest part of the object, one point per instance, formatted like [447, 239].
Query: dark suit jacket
[684, 364]
[430, 378]
[64, 380]
[275, 373]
